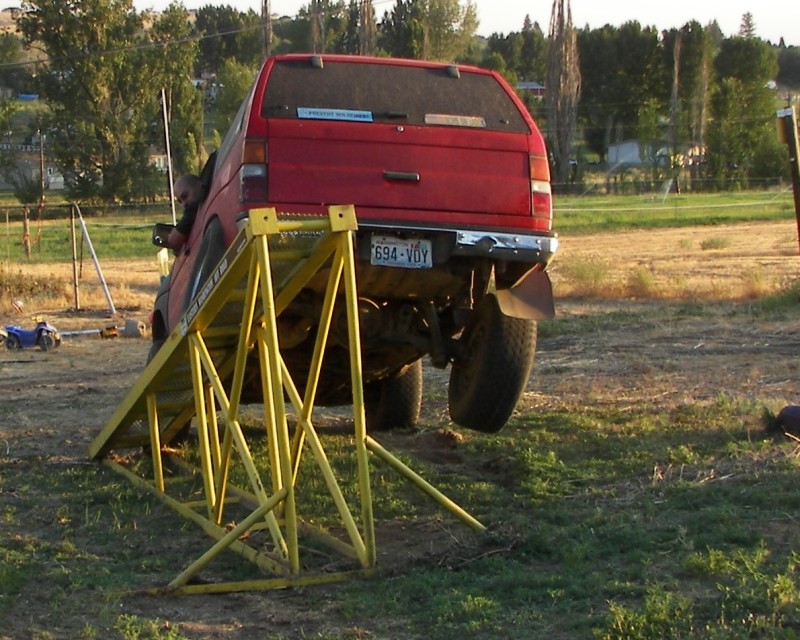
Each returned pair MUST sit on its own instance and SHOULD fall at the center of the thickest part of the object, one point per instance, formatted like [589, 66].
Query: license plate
[388, 251]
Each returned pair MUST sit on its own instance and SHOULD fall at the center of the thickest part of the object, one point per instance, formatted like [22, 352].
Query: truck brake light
[541, 195]
[253, 172]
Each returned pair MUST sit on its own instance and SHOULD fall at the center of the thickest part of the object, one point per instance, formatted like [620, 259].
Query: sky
[773, 18]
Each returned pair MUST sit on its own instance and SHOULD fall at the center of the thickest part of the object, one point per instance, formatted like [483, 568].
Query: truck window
[369, 92]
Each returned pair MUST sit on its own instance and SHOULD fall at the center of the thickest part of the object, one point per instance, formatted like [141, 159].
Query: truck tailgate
[412, 173]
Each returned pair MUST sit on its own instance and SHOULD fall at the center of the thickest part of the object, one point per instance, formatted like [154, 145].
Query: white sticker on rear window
[446, 120]
[334, 114]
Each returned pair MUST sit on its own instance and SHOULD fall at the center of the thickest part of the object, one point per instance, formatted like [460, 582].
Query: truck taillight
[541, 195]
[253, 172]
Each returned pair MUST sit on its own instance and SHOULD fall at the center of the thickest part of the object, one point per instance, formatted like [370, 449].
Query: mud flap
[531, 298]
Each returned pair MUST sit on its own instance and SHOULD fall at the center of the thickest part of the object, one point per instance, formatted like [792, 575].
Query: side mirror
[161, 232]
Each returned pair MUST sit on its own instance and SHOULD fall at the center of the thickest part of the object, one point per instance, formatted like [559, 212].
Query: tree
[694, 72]
[402, 31]
[236, 79]
[728, 151]
[603, 87]
[27, 185]
[317, 27]
[15, 75]
[101, 83]
[184, 102]
[504, 54]
[449, 29]
[621, 69]
[650, 133]
[429, 29]
[227, 33]
[524, 54]
[747, 29]
[563, 87]
[8, 109]
[533, 63]
[742, 108]
[789, 67]
[367, 28]
[750, 60]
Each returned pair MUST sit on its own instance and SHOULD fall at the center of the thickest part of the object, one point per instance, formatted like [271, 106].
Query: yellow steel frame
[215, 369]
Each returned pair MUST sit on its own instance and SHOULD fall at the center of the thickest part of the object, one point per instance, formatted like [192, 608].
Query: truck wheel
[12, 342]
[488, 379]
[394, 403]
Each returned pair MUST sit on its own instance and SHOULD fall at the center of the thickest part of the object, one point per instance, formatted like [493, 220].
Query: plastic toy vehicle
[44, 335]
[450, 180]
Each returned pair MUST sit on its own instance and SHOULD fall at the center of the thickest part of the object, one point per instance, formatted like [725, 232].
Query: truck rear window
[368, 92]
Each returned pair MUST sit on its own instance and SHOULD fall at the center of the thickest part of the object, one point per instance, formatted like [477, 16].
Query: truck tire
[394, 402]
[487, 381]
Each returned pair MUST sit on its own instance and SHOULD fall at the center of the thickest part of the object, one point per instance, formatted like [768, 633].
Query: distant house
[625, 152]
[159, 159]
[633, 153]
[8, 19]
[536, 89]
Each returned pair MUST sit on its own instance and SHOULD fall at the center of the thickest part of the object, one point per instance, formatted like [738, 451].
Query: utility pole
[266, 18]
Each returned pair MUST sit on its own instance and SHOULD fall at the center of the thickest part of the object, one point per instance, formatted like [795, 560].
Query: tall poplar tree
[563, 87]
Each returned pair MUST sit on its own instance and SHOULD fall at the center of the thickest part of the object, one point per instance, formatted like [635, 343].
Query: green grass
[603, 523]
[125, 231]
[585, 532]
[591, 213]
[118, 233]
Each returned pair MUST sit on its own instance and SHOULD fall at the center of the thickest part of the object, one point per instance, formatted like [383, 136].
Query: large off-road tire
[394, 403]
[12, 342]
[487, 380]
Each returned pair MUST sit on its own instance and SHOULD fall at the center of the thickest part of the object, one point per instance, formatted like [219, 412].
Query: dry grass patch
[741, 262]
[716, 243]
[132, 285]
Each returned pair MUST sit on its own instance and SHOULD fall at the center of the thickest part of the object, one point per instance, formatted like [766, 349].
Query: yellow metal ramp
[227, 340]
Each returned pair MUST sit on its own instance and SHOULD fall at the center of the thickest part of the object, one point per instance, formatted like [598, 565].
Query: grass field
[641, 490]
[121, 233]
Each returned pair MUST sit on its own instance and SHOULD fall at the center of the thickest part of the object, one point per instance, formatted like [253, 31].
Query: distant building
[8, 19]
[536, 89]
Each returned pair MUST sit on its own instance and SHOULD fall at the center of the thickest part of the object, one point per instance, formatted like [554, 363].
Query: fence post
[74, 241]
[787, 132]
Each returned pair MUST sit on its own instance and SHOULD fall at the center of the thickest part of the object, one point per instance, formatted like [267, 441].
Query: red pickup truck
[450, 180]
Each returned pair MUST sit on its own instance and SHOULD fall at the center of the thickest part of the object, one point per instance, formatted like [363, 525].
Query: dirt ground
[62, 399]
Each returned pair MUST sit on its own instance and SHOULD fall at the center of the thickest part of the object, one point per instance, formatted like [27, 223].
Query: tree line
[101, 68]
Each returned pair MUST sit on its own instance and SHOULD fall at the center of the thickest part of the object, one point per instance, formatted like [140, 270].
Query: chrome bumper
[506, 246]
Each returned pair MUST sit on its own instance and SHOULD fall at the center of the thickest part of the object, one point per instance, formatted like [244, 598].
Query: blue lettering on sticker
[334, 114]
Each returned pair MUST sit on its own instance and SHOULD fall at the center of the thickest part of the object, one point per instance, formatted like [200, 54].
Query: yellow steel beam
[201, 372]
[420, 482]
[357, 384]
[155, 442]
[259, 559]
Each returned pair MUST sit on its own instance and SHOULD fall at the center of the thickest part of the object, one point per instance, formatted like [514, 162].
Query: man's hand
[176, 239]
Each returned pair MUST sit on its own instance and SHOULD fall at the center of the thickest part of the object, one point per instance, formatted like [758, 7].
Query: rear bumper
[526, 247]
[498, 245]
[506, 246]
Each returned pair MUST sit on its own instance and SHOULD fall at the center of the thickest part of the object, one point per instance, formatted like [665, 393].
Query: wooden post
[74, 241]
[787, 131]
